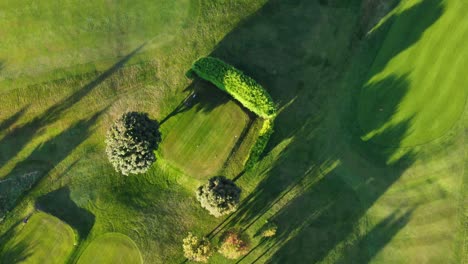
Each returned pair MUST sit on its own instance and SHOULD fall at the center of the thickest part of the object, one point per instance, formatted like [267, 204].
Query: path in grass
[43, 239]
[200, 139]
[111, 248]
[426, 79]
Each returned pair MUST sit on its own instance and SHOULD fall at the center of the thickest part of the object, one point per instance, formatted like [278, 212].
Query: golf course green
[43, 239]
[367, 162]
[111, 248]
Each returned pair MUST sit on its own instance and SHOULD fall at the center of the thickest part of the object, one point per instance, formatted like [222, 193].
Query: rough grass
[53, 39]
[111, 248]
[43, 239]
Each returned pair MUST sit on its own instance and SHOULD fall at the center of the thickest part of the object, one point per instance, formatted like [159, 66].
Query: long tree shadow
[7, 123]
[17, 139]
[18, 253]
[374, 240]
[203, 96]
[293, 44]
[59, 204]
[47, 155]
[28, 172]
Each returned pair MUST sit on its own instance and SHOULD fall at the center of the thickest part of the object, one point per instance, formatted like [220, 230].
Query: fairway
[201, 139]
[422, 90]
[111, 248]
[43, 239]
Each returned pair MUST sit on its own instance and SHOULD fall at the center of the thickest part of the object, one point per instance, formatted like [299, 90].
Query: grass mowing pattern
[426, 80]
[200, 140]
[111, 248]
[43, 239]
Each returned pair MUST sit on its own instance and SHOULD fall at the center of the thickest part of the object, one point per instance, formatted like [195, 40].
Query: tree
[197, 249]
[219, 196]
[234, 245]
[131, 142]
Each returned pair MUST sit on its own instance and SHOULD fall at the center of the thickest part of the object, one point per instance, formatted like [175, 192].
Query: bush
[231, 80]
[259, 147]
[197, 249]
[131, 142]
[269, 230]
[234, 245]
[219, 196]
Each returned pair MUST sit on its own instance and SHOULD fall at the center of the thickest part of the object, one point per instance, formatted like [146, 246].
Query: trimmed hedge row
[240, 86]
[260, 144]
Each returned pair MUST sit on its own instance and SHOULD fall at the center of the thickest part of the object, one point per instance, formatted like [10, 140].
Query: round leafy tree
[219, 196]
[197, 249]
[131, 142]
[234, 245]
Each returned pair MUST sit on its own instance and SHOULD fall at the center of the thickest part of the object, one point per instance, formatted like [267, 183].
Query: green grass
[335, 197]
[111, 248]
[200, 140]
[43, 239]
[425, 80]
[40, 38]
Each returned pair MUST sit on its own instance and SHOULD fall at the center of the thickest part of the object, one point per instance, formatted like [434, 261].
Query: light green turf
[426, 80]
[49, 36]
[111, 248]
[200, 140]
[43, 239]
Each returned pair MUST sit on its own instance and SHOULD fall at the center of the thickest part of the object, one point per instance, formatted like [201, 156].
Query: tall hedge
[240, 86]
[260, 144]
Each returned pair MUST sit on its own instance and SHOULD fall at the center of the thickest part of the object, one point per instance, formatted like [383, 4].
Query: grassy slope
[428, 71]
[111, 248]
[43, 239]
[332, 196]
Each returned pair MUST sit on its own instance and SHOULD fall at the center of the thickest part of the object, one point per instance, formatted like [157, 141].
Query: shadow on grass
[59, 204]
[7, 123]
[47, 155]
[19, 253]
[203, 96]
[300, 51]
[16, 254]
[27, 173]
[17, 139]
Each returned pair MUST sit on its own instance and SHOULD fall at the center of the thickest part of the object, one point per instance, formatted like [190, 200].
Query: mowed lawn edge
[42, 239]
[111, 248]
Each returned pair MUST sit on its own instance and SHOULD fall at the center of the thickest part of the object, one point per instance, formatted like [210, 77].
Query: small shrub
[234, 245]
[131, 142]
[197, 249]
[269, 230]
[240, 86]
[219, 196]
